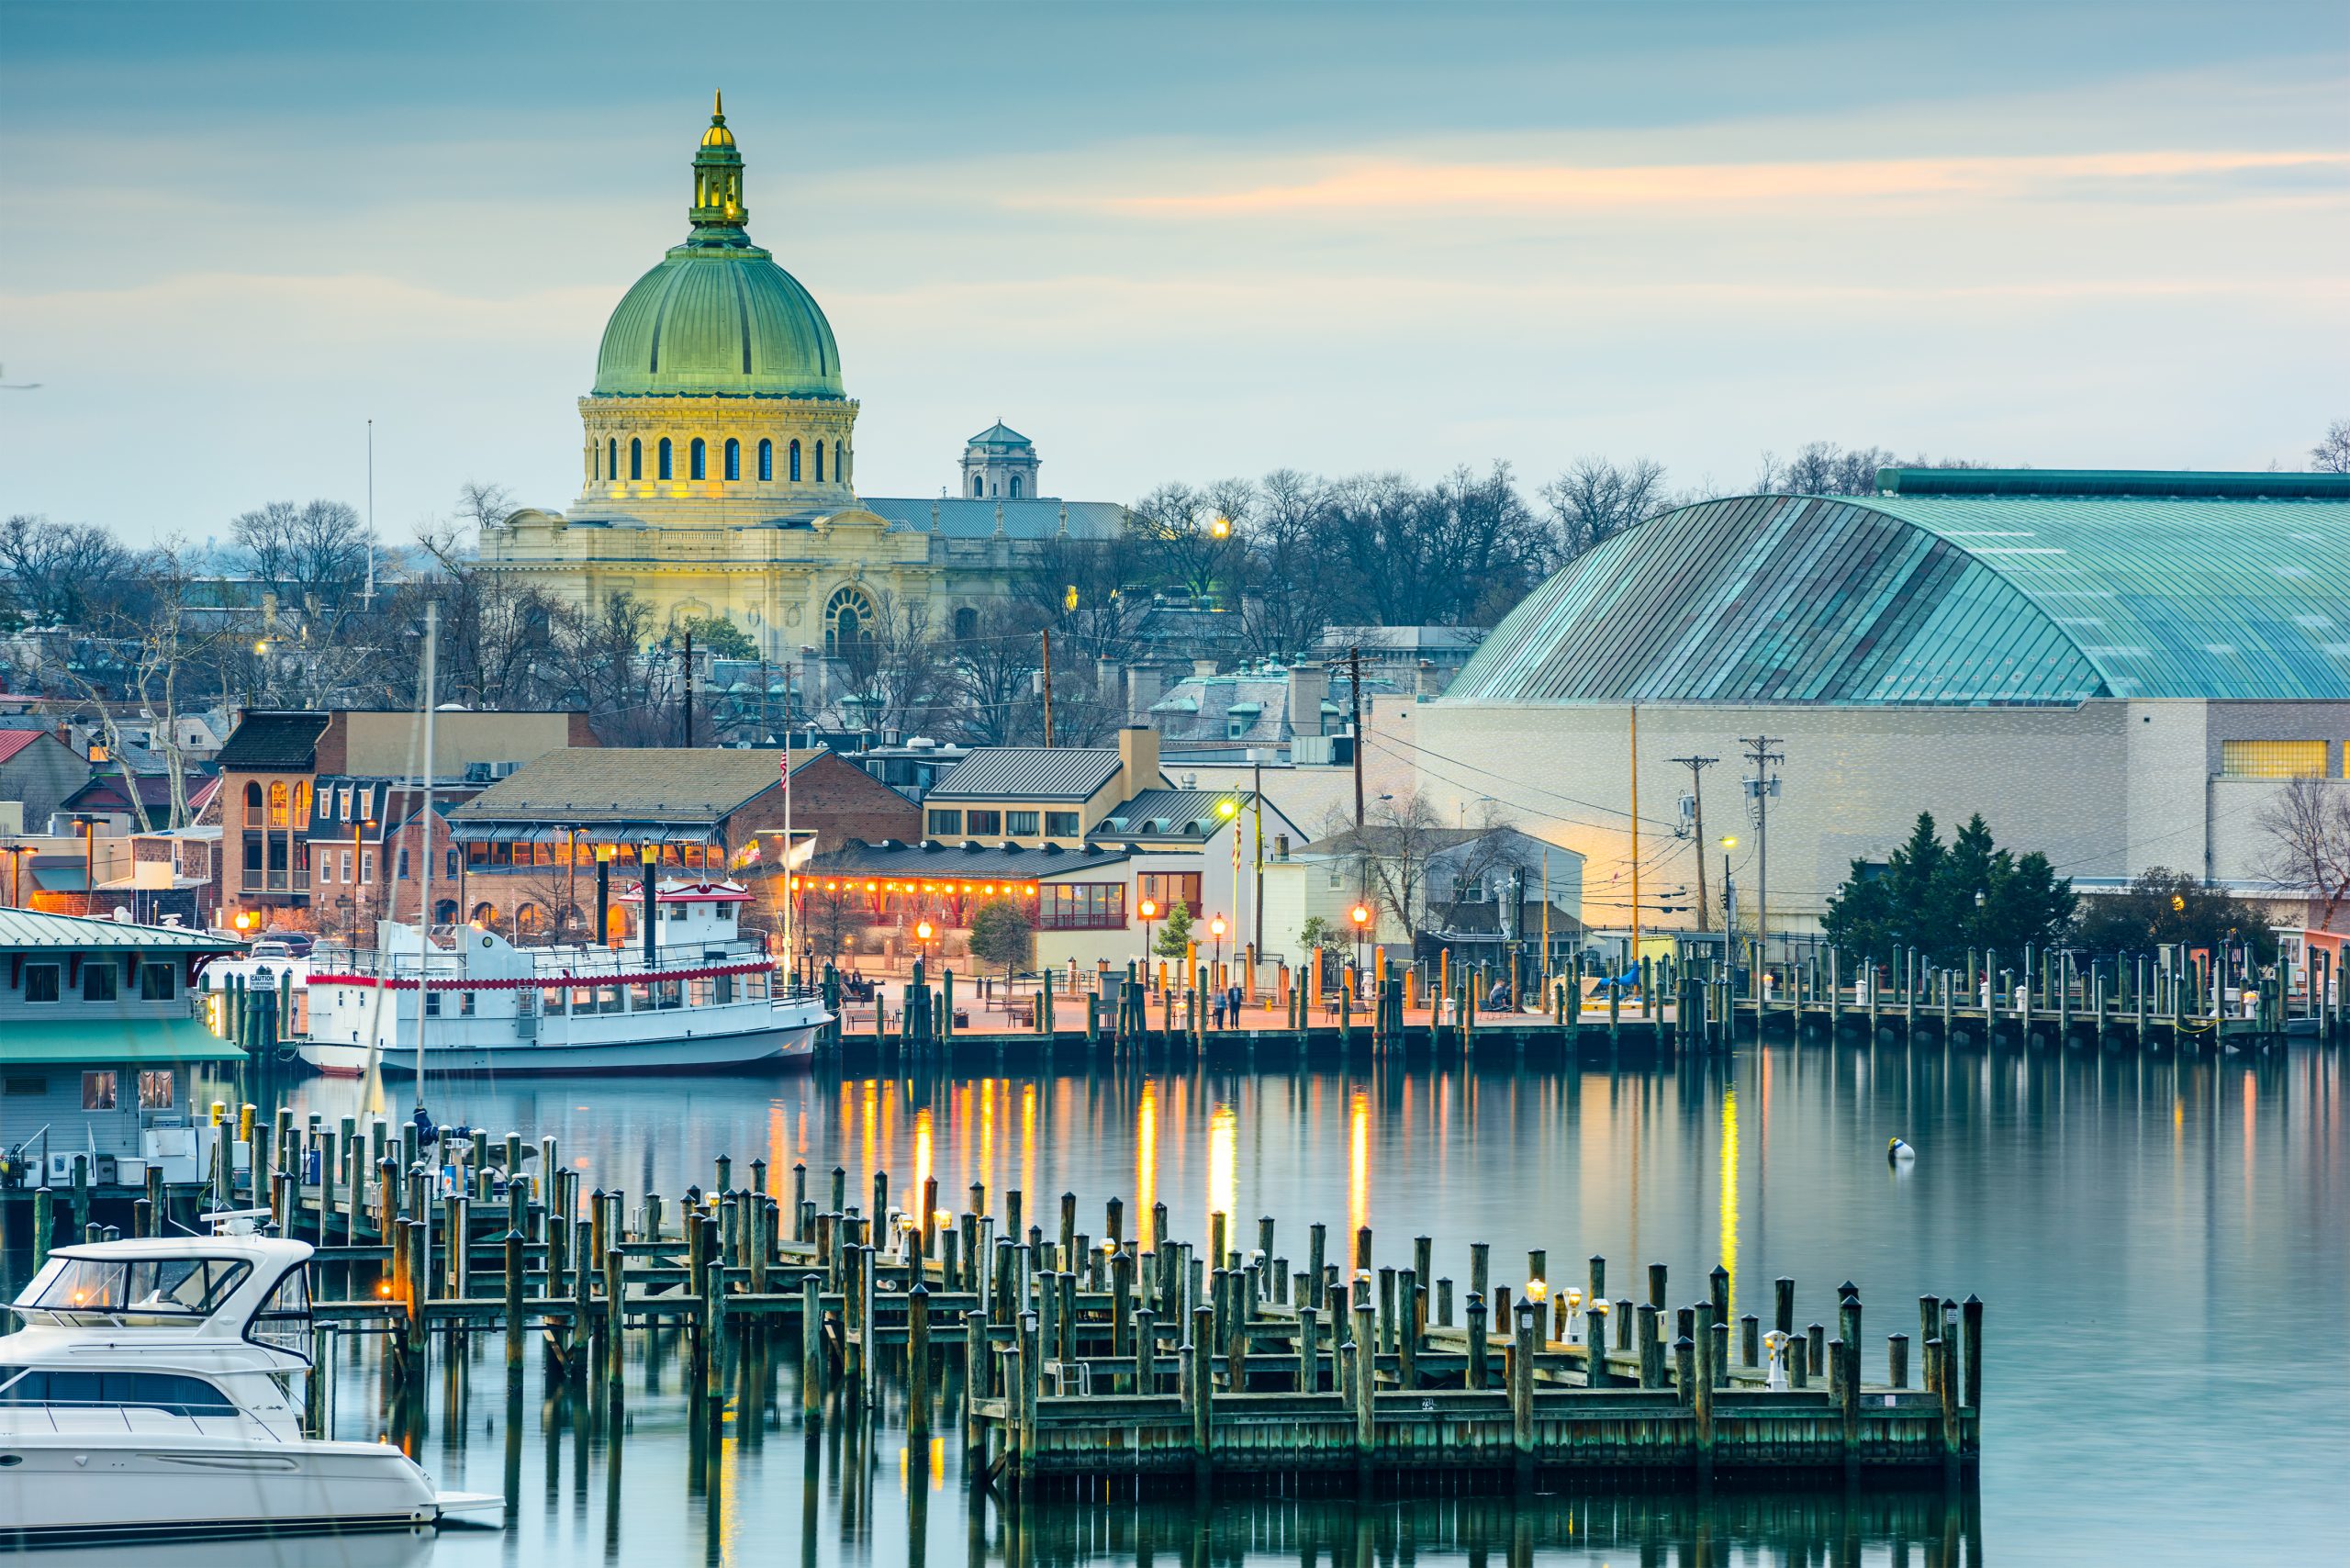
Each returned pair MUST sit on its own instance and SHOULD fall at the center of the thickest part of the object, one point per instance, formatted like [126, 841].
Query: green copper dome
[718, 316]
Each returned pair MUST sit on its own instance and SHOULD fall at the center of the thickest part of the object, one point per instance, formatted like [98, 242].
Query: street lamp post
[923, 932]
[1215, 928]
[1148, 910]
[1360, 915]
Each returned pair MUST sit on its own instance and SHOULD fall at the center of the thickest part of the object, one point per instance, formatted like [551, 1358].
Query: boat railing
[553, 965]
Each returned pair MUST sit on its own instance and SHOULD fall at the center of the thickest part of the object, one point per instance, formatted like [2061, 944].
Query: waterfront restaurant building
[2120, 669]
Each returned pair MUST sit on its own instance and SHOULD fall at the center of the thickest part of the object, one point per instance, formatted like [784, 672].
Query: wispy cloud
[1398, 185]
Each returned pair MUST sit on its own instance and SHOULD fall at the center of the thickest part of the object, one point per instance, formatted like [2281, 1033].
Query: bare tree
[1290, 593]
[2331, 453]
[62, 573]
[1597, 499]
[2308, 829]
[994, 674]
[313, 555]
[1193, 542]
[895, 667]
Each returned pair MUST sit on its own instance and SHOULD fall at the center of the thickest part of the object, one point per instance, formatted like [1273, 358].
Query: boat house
[103, 1049]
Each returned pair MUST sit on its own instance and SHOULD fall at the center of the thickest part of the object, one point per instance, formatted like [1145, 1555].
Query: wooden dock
[1128, 1364]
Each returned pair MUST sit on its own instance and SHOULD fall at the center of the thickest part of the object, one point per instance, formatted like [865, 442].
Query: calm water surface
[2162, 1251]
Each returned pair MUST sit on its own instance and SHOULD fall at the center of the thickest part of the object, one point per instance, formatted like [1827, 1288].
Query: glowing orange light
[988, 889]
[1361, 915]
[923, 930]
[1215, 926]
[1149, 910]
[869, 887]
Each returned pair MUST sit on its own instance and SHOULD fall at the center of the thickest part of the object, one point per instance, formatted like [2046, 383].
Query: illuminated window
[767, 460]
[697, 460]
[2273, 759]
[97, 1091]
[277, 805]
[668, 469]
[635, 458]
[155, 1091]
[734, 458]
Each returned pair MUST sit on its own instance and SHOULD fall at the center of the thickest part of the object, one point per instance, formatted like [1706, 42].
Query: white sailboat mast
[424, 964]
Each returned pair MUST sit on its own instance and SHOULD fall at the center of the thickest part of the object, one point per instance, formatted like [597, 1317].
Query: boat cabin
[104, 1052]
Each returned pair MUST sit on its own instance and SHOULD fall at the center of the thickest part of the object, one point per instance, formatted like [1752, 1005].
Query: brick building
[530, 844]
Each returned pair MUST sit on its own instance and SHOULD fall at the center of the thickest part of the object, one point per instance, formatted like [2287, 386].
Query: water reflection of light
[1145, 1164]
[872, 1107]
[922, 1157]
[1358, 1164]
[1224, 1141]
[1028, 1146]
[1730, 1193]
[987, 1132]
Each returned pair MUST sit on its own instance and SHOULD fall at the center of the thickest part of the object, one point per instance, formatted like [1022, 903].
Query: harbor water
[2135, 1224]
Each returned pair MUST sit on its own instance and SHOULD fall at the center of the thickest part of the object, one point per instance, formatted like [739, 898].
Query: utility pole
[368, 597]
[1697, 766]
[1354, 689]
[690, 690]
[1047, 635]
[1763, 755]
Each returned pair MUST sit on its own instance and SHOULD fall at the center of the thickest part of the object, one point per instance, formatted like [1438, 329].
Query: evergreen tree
[1942, 900]
[1174, 933]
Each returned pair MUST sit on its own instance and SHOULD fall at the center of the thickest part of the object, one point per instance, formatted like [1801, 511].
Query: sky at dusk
[1174, 243]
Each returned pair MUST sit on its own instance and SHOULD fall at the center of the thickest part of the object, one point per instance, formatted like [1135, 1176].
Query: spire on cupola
[718, 210]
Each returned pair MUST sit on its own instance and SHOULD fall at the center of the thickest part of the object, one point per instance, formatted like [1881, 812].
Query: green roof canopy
[145, 1040]
[1973, 600]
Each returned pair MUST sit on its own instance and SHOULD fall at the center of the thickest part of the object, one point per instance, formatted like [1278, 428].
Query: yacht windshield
[283, 1321]
[118, 1289]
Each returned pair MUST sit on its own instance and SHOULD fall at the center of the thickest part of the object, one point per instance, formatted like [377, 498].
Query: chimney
[1202, 667]
[1145, 686]
[1309, 684]
[1108, 680]
[1426, 681]
[1137, 761]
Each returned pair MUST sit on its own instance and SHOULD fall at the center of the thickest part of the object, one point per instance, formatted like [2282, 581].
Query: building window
[668, 469]
[977, 488]
[820, 463]
[2272, 759]
[451, 872]
[98, 981]
[1019, 825]
[345, 875]
[946, 824]
[156, 1089]
[611, 457]
[277, 805]
[1082, 906]
[795, 463]
[846, 616]
[157, 983]
[1015, 487]
[1061, 824]
[734, 458]
[40, 982]
[635, 458]
[697, 460]
[366, 864]
[967, 623]
[252, 802]
[767, 460]
[97, 1092]
[402, 873]
[840, 461]
[1168, 889]
[983, 824]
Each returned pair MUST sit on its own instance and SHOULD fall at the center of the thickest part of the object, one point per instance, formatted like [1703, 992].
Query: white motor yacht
[156, 1390]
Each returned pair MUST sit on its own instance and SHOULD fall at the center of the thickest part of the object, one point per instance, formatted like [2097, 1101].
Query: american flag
[784, 767]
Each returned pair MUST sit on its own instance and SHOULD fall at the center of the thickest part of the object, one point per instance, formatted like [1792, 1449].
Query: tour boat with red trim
[694, 994]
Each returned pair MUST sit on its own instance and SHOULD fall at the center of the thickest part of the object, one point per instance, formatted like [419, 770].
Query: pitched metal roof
[22, 929]
[1028, 773]
[968, 518]
[267, 742]
[1170, 813]
[998, 435]
[13, 741]
[1939, 600]
[963, 861]
[64, 1041]
[606, 784]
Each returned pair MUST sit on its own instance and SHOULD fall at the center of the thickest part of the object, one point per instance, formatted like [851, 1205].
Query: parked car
[271, 952]
[297, 944]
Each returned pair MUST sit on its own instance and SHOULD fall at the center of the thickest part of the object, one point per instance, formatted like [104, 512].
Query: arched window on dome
[767, 460]
[978, 488]
[697, 460]
[795, 463]
[734, 458]
[668, 469]
[1015, 487]
[840, 461]
[611, 457]
[635, 458]
[820, 463]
